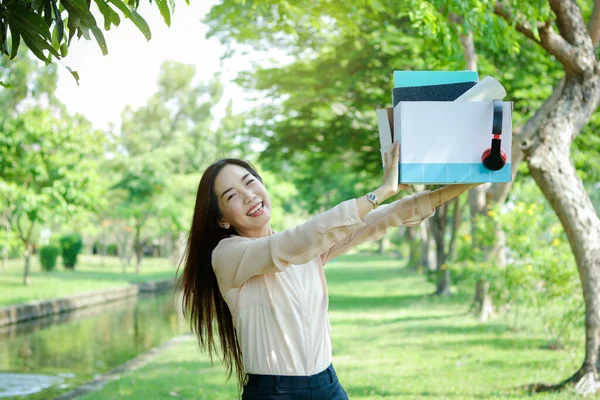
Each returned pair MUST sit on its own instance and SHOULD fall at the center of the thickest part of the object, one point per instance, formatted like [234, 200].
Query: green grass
[89, 275]
[391, 340]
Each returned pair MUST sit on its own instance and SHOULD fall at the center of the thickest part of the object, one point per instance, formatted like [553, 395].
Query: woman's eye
[230, 197]
[250, 181]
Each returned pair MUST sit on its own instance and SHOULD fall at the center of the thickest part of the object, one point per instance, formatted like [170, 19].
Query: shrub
[71, 246]
[112, 250]
[48, 256]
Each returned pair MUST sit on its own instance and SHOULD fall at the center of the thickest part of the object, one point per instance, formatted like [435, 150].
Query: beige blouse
[275, 286]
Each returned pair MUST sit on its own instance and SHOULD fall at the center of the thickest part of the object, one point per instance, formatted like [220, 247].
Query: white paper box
[442, 142]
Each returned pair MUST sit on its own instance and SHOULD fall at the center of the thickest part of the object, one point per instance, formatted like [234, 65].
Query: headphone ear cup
[493, 162]
[485, 154]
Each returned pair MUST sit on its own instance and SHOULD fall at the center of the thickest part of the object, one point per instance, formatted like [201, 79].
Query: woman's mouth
[256, 211]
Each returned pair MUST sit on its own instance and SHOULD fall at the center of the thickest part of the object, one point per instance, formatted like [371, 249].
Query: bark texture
[545, 142]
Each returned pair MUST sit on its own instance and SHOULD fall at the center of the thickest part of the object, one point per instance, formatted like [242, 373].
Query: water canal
[43, 358]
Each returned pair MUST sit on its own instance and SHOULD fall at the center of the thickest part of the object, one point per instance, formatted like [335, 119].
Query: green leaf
[37, 5]
[79, 5]
[34, 45]
[73, 22]
[30, 21]
[55, 43]
[134, 17]
[48, 12]
[59, 22]
[163, 6]
[16, 40]
[64, 49]
[3, 37]
[116, 20]
[74, 73]
[7, 85]
[106, 13]
[33, 39]
[85, 31]
[141, 23]
[100, 39]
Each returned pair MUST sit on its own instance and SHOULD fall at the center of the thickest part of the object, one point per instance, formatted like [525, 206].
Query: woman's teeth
[257, 210]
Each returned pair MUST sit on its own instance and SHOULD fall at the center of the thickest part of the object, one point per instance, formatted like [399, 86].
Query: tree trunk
[28, 252]
[549, 159]
[139, 248]
[438, 230]
[6, 245]
[89, 244]
[414, 247]
[122, 252]
[424, 259]
[178, 248]
[167, 243]
[431, 253]
[477, 206]
[498, 251]
[139, 254]
[380, 246]
[443, 272]
[482, 302]
[102, 254]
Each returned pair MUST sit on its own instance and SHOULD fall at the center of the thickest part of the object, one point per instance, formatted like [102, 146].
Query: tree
[545, 141]
[47, 159]
[141, 180]
[48, 26]
[440, 225]
[161, 143]
[556, 28]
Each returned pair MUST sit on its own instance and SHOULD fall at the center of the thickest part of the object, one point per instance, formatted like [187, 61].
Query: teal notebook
[425, 78]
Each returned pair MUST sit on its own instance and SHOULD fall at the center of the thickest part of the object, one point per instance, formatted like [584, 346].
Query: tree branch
[468, 45]
[523, 140]
[594, 24]
[549, 40]
[19, 229]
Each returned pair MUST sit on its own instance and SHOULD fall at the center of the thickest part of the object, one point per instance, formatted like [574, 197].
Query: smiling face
[243, 201]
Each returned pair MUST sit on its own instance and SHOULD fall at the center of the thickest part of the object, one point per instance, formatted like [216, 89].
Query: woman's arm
[237, 259]
[443, 194]
[408, 211]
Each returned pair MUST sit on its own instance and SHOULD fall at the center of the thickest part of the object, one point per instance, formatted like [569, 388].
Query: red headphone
[494, 158]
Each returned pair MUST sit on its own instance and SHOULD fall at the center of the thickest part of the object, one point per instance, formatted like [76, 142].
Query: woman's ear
[224, 224]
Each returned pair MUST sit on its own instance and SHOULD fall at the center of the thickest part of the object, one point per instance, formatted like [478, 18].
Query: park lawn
[89, 275]
[391, 340]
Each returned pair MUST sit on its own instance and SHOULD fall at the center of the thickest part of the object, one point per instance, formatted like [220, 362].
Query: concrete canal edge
[16, 313]
[132, 365]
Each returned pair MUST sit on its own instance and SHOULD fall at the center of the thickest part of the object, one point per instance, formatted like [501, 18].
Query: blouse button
[352, 219]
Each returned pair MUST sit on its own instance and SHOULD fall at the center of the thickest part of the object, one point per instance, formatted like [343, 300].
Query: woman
[265, 292]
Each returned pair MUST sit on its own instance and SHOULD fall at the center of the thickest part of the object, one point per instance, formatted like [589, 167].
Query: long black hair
[202, 300]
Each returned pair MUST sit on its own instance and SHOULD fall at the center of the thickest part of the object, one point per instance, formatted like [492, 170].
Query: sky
[128, 74]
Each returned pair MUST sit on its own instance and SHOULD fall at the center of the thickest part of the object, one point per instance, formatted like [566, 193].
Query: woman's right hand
[390, 178]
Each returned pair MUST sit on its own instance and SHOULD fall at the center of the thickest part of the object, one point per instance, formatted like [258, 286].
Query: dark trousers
[322, 386]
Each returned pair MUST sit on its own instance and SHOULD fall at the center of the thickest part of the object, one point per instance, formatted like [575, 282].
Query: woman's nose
[249, 196]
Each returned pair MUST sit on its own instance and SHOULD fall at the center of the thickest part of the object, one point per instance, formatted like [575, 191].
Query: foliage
[14, 245]
[48, 26]
[342, 59]
[541, 275]
[112, 249]
[70, 246]
[162, 148]
[48, 256]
